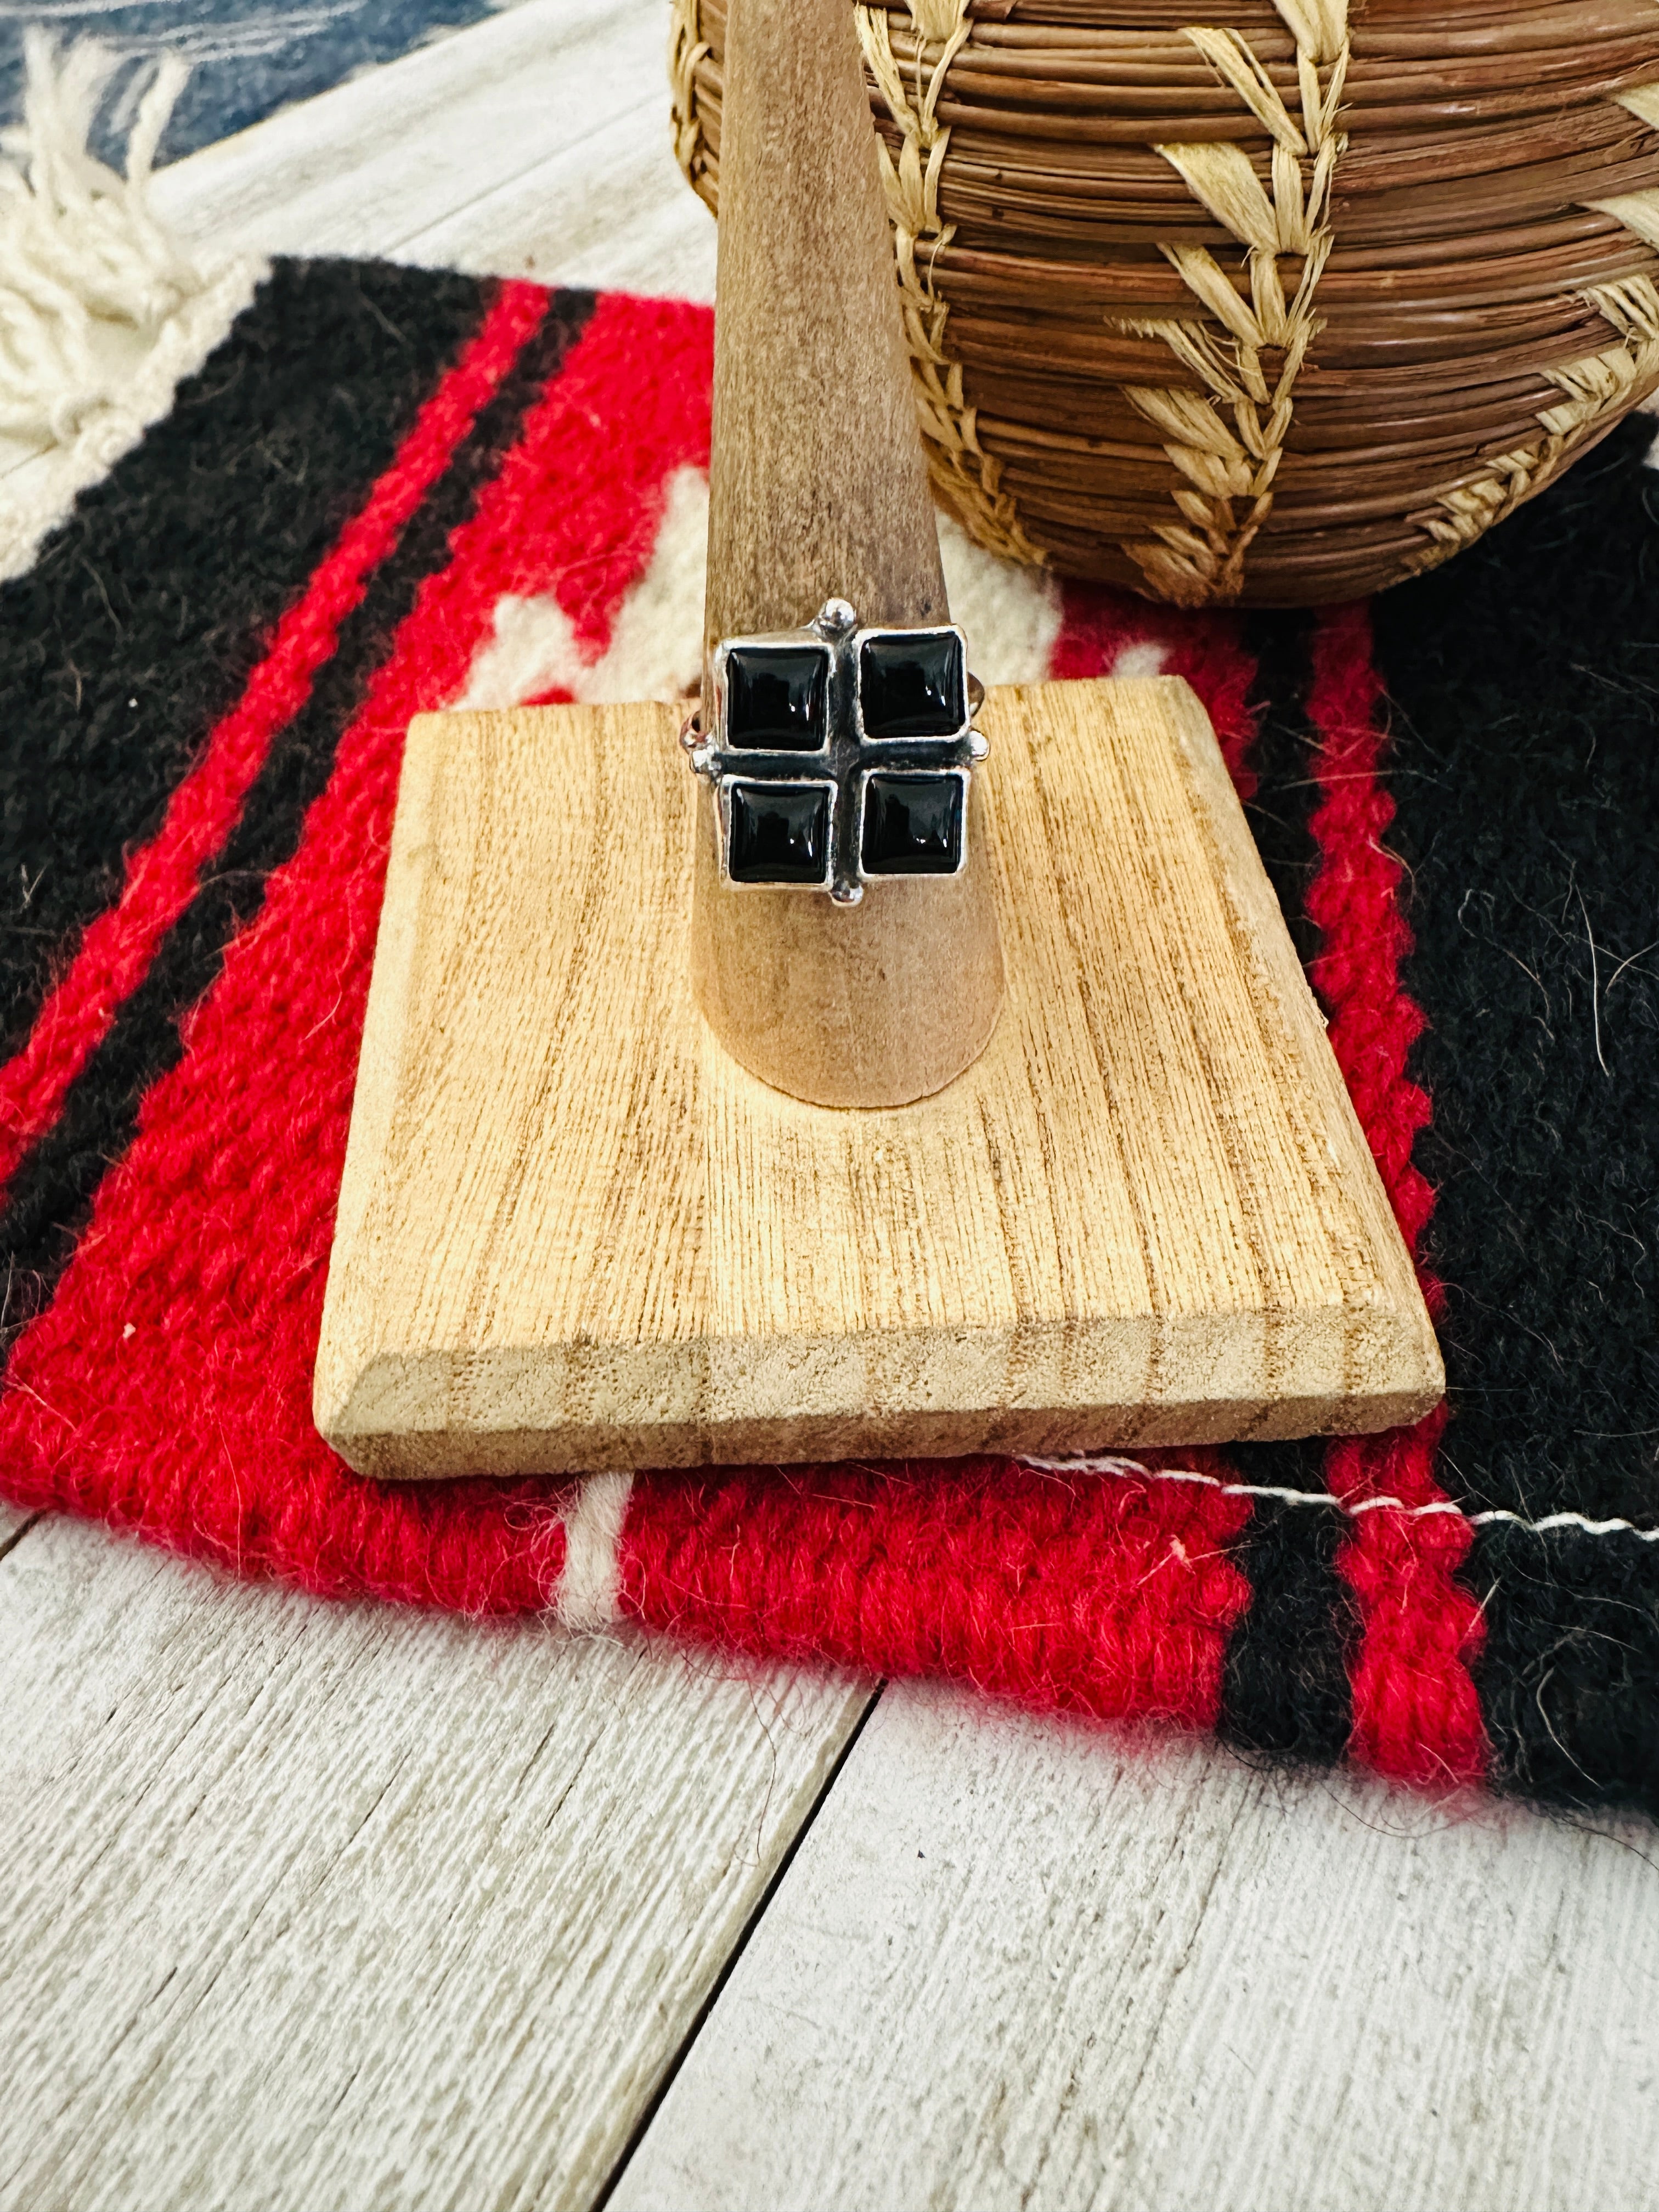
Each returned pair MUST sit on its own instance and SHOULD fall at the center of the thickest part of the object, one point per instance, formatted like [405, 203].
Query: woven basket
[1278, 310]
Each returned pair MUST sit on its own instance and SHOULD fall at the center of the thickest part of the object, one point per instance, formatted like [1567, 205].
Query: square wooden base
[574, 1235]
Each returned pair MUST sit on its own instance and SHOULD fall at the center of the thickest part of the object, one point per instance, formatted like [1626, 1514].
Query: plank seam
[8, 1543]
[717, 1989]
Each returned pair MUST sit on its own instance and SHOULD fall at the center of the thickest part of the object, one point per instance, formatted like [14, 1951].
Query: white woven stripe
[1011, 615]
[588, 1593]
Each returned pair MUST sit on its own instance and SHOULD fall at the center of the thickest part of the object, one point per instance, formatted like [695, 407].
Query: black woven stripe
[140, 621]
[1569, 1676]
[53, 1189]
[1284, 1685]
[1282, 805]
[1285, 1689]
[1525, 678]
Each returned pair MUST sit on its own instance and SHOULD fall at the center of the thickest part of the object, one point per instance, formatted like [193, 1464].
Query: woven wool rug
[386, 491]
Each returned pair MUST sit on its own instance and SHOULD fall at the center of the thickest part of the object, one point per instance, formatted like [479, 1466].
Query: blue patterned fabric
[248, 56]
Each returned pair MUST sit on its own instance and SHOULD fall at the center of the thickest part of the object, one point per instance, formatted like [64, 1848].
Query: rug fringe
[101, 310]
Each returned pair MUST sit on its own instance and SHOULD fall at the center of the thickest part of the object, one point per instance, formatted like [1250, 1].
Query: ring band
[840, 755]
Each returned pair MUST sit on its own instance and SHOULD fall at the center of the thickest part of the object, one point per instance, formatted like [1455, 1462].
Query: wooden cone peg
[817, 491]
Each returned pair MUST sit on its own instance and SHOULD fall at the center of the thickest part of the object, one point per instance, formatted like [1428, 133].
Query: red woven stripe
[1105, 1597]
[1416, 1713]
[162, 877]
[1098, 628]
[167, 1387]
[586, 531]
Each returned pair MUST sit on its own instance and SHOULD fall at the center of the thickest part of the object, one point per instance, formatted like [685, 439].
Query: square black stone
[779, 833]
[777, 697]
[911, 826]
[912, 684]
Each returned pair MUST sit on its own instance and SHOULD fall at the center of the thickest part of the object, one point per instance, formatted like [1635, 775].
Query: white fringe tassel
[100, 310]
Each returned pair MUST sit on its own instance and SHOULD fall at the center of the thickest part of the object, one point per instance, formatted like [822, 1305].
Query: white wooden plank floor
[537, 145]
[1016, 1963]
[319, 1905]
[312, 1905]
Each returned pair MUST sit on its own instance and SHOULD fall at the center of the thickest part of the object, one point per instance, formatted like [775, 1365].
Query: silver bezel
[844, 762]
[795, 638]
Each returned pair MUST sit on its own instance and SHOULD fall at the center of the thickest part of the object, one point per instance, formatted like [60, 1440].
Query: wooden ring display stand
[645, 1171]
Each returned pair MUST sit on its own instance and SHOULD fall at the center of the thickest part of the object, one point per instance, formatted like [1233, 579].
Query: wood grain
[573, 1234]
[12, 1524]
[316, 1906]
[816, 490]
[1027, 1967]
[817, 486]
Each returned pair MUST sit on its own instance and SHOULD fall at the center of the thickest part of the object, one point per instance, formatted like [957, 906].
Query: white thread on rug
[589, 1594]
[1111, 1464]
[102, 312]
[1568, 1521]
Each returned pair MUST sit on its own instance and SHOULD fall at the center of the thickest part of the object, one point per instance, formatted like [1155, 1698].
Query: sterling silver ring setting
[840, 754]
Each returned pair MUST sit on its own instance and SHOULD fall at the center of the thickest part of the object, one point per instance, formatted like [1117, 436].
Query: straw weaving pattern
[1275, 309]
[969, 478]
[687, 50]
[1228, 468]
[1596, 391]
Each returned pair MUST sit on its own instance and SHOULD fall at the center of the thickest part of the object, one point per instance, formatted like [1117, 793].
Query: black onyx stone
[911, 826]
[779, 833]
[912, 684]
[777, 697]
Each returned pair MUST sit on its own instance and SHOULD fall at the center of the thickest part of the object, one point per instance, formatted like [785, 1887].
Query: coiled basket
[1277, 308]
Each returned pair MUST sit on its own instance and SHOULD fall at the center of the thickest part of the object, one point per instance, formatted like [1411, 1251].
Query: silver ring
[840, 755]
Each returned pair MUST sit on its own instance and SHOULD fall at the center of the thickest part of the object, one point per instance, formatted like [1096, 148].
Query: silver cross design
[841, 755]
